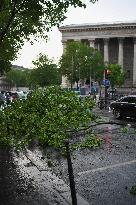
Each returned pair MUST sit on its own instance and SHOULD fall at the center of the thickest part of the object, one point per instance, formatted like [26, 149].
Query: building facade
[116, 41]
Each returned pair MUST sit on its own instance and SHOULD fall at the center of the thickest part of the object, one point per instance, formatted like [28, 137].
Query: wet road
[105, 176]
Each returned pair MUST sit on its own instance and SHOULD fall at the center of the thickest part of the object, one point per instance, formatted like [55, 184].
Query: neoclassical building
[116, 41]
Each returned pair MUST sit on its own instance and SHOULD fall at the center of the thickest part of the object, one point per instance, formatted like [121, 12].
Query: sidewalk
[50, 188]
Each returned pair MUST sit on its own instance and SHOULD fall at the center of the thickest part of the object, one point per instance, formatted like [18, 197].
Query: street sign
[106, 82]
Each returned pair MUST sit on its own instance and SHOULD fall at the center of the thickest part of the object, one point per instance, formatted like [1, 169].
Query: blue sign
[106, 82]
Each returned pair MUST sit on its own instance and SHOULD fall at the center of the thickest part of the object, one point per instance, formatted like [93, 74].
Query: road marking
[107, 167]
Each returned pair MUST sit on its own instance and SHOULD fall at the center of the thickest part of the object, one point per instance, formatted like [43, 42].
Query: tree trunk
[77, 85]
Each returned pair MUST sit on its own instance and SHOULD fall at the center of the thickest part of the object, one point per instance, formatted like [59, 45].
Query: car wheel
[117, 114]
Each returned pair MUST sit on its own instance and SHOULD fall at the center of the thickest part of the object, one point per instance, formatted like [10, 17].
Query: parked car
[22, 95]
[124, 107]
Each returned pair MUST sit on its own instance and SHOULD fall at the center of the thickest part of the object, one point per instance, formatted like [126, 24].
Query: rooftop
[99, 24]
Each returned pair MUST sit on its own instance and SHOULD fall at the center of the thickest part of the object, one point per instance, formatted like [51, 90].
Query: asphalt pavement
[104, 176]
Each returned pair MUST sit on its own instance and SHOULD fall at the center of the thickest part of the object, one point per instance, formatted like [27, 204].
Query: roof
[99, 25]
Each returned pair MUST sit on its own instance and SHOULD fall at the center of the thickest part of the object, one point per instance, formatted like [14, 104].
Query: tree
[22, 19]
[4, 66]
[79, 61]
[45, 72]
[49, 115]
[18, 77]
[97, 67]
[116, 76]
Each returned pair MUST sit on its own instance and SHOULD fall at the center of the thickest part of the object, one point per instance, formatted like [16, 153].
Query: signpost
[106, 82]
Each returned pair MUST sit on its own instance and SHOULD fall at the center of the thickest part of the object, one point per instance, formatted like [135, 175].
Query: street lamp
[89, 70]
[105, 72]
[90, 79]
[106, 81]
[79, 79]
[72, 71]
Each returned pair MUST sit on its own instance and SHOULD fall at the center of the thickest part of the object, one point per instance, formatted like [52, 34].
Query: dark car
[124, 107]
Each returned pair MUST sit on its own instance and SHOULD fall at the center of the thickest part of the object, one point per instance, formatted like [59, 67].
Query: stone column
[106, 49]
[98, 46]
[91, 42]
[64, 79]
[64, 43]
[134, 64]
[120, 54]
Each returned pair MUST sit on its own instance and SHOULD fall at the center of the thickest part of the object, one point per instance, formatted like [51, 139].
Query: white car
[22, 95]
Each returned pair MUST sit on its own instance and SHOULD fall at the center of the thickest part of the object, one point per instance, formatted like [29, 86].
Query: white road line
[107, 167]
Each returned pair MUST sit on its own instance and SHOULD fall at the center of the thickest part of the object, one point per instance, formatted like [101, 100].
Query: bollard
[71, 175]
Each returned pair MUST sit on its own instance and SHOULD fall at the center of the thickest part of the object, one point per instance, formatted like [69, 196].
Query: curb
[58, 190]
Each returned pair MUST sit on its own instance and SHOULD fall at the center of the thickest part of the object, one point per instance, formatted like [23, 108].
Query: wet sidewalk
[29, 181]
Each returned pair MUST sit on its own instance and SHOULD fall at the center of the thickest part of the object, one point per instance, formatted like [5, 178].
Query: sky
[101, 11]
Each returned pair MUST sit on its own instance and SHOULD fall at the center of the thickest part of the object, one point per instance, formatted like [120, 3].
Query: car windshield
[130, 99]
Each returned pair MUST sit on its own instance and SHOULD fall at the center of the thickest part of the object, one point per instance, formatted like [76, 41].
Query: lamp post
[105, 94]
[90, 79]
[105, 83]
[79, 80]
[72, 71]
[107, 72]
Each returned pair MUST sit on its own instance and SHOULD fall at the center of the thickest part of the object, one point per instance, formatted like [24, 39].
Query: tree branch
[96, 124]
[10, 20]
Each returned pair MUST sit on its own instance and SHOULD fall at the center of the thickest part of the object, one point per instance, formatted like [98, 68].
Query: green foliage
[91, 141]
[22, 19]
[117, 76]
[45, 72]
[133, 190]
[18, 77]
[79, 61]
[5, 66]
[50, 115]
[98, 73]
[125, 130]
[50, 164]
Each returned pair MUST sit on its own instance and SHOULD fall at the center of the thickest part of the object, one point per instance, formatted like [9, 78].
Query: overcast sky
[102, 11]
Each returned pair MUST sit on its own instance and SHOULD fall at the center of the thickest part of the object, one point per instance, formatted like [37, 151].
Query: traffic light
[107, 73]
